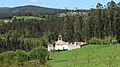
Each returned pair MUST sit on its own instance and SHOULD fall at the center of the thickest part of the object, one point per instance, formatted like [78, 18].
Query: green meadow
[87, 56]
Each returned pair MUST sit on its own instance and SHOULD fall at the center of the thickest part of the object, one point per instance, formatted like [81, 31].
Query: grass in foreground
[87, 56]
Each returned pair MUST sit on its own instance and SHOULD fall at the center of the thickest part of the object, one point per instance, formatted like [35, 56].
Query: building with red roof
[62, 45]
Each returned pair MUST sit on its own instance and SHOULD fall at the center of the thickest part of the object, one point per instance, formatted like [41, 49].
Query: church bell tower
[60, 38]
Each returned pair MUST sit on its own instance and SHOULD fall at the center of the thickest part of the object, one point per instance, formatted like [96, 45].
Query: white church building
[62, 45]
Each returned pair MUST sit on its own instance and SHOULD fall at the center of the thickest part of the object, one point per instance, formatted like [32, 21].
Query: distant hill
[3, 8]
[35, 9]
[28, 10]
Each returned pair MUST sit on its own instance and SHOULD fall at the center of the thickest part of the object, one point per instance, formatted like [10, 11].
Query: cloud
[33, 1]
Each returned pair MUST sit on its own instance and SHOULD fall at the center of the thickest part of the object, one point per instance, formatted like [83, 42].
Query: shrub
[110, 40]
[1, 59]
[95, 41]
[8, 57]
[40, 53]
[22, 56]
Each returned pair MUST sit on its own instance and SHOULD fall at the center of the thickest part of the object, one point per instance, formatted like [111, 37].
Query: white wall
[65, 46]
[50, 48]
[73, 47]
[61, 47]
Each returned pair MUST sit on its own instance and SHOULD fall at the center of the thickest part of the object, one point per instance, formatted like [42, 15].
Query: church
[62, 45]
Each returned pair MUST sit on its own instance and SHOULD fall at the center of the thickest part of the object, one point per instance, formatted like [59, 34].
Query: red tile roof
[72, 45]
[50, 44]
[60, 42]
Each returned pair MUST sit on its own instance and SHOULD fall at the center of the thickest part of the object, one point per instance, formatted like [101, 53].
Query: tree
[21, 57]
[8, 57]
[40, 53]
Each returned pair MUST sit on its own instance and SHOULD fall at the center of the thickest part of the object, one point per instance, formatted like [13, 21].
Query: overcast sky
[70, 4]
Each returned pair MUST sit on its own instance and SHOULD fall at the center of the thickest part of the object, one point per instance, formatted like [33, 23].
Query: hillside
[28, 10]
[87, 56]
[3, 8]
[35, 9]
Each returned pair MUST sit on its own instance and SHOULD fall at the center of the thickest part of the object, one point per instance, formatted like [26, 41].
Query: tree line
[99, 22]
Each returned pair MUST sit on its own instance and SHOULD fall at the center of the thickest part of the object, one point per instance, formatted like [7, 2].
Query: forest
[100, 25]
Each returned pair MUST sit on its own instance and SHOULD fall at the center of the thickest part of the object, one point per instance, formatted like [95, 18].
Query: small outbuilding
[50, 47]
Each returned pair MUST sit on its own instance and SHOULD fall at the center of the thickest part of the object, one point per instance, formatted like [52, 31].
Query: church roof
[60, 42]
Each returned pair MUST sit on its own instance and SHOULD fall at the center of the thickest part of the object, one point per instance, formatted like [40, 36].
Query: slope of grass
[87, 56]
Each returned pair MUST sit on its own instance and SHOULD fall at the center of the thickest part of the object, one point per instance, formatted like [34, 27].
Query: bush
[1, 59]
[95, 41]
[110, 40]
[22, 56]
[40, 53]
[7, 57]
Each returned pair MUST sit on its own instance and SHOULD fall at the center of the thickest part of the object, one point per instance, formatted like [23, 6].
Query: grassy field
[87, 56]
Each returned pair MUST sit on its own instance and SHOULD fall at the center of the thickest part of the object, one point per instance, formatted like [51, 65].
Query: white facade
[61, 47]
[73, 47]
[66, 47]
[50, 48]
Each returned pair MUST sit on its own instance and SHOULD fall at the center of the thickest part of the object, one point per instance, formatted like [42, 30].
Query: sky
[60, 4]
